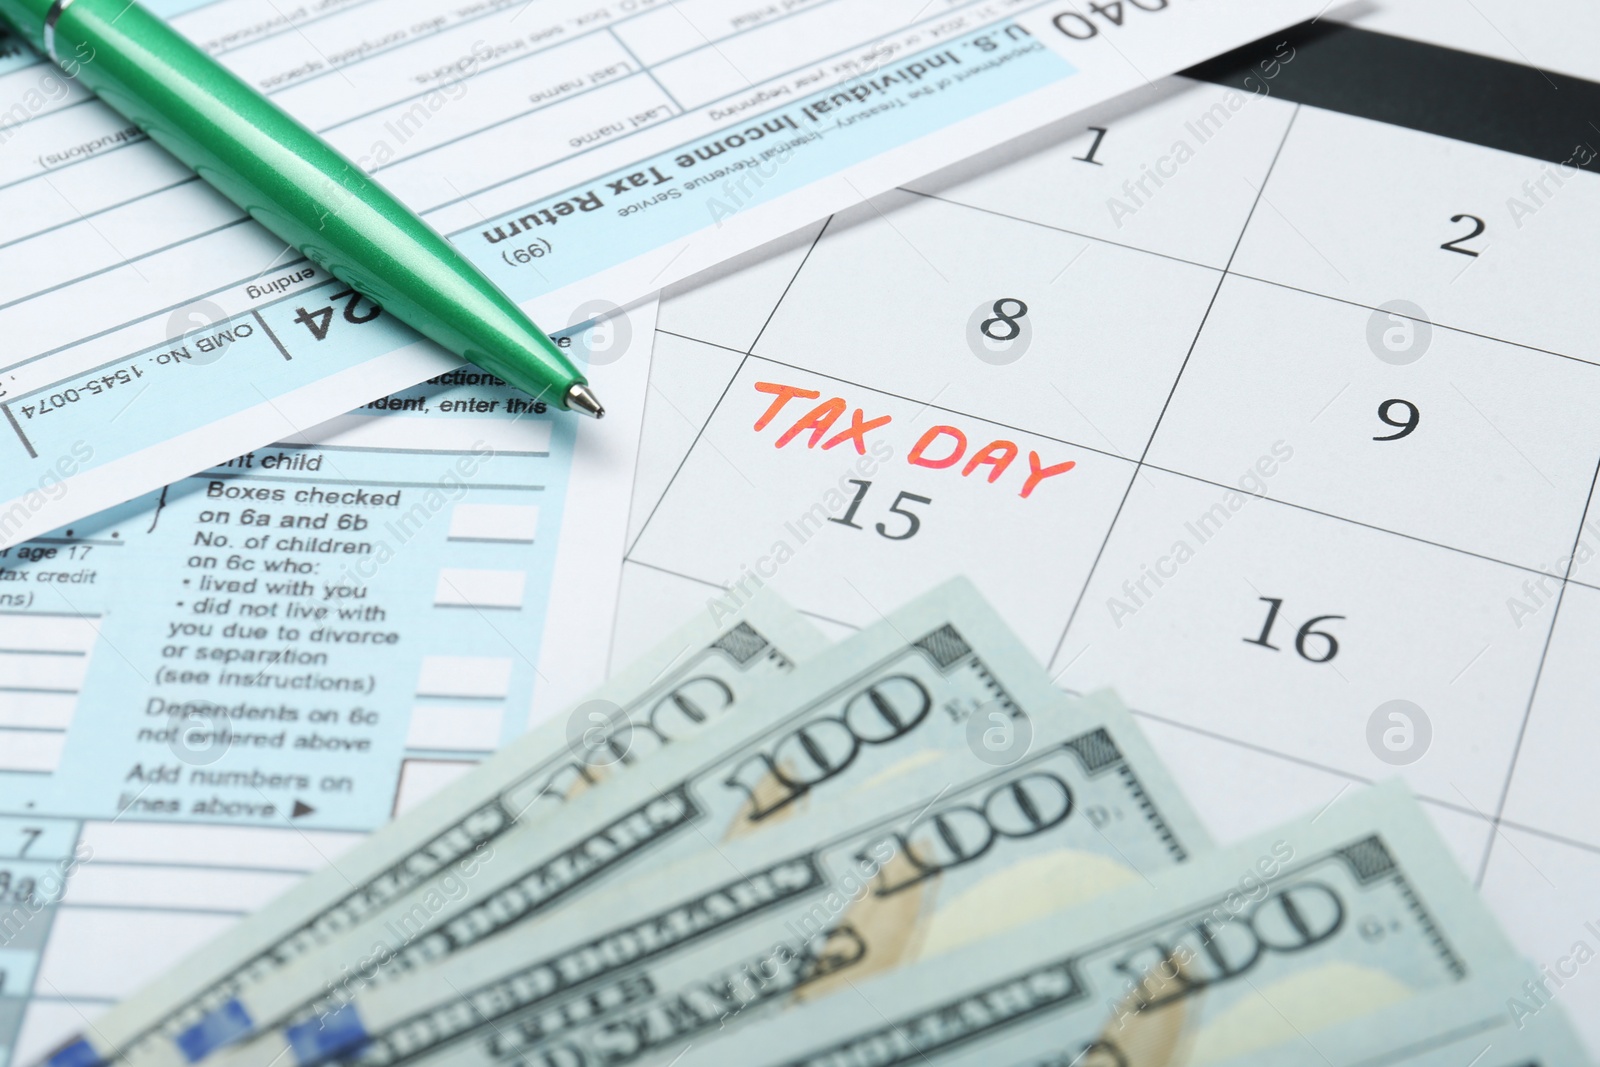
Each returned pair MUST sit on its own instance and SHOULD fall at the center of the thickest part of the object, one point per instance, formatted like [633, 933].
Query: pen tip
[581, 398]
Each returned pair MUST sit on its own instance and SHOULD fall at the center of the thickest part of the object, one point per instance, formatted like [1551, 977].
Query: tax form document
[583, 152]
[215, 688]
[1277, 416]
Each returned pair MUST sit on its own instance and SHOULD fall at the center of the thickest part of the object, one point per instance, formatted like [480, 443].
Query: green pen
[296, 185]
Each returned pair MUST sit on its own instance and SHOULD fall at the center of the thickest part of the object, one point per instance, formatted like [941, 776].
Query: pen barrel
[302, 189]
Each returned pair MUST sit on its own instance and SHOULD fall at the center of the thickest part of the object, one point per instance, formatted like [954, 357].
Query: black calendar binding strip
[1489, 102]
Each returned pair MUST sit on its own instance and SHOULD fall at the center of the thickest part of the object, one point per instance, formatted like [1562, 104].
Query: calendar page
[1276, 410]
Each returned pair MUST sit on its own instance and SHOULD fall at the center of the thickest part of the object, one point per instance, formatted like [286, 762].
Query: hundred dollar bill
[1543, 1044]
[1547, 1040]
[1241, 950]
[1074, 804]
[699, 674]
[1508, 1017]
[896, 694]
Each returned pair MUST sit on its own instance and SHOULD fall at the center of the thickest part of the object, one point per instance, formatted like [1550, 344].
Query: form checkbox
[504, 523]
[455, 728]
[463, 588]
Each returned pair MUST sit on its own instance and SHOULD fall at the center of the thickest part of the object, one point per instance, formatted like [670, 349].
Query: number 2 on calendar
[1478, 226]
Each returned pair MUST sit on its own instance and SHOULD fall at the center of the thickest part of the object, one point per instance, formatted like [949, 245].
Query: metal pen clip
[52, 17]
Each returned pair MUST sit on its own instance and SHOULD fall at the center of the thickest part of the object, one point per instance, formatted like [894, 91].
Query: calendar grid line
[926, 404]
[1436, 325]
[715, 585]
[1247, 277]
[1172, 391]
[1547, 835]
[731, 379]
[697, 435]
[616, 596]
[1289, 757]
[1146, 465]
[1374, 527]
[1237, 742]
[1061, 229]
[1533, 691]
